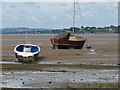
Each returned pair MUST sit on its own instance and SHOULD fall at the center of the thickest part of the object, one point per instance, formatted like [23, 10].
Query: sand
[106, 46]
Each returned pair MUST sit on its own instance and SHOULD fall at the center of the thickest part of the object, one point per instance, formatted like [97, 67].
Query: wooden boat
[26, 52]
[66, 40]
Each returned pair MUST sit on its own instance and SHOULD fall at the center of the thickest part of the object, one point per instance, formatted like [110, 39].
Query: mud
[30, 79]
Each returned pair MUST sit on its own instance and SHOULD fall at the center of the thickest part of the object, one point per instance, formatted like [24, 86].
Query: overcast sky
[58, 15]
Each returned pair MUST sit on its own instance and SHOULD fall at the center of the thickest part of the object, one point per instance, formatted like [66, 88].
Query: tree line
[26, 30]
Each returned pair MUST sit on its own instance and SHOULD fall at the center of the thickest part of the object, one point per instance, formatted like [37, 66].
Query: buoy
[24, 83]
[89, 46]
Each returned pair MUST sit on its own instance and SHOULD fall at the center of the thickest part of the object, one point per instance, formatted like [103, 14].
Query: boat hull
[67, 44]
[20, 58]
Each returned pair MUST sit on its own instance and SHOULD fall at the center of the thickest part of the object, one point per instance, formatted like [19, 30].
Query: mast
[74, 17]
[82, 28]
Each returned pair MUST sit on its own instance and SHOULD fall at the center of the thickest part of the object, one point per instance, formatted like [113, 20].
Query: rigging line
[74, 16]
[79, 9]
[81, 17]
[80, 13]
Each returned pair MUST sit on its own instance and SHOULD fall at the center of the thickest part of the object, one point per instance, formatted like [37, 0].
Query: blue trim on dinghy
[21, 47]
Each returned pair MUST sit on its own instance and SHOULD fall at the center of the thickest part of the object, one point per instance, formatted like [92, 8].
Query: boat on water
[26, 52]
[67, 40]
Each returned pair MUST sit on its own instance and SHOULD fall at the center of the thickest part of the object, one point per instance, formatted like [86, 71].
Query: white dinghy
[26, 52]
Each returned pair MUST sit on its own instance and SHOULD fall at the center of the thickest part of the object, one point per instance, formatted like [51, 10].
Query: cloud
[53, 17]
[13, 6]
[53, 4]
[63, 4]
[32, 4]
[59, 4]
[59, 0]
[23, 12]
[69, 15]
[0, 11]
[41, 13]
[87, 14]
[34, 19]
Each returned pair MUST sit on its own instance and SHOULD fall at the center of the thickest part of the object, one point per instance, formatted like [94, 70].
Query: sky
[57, 14]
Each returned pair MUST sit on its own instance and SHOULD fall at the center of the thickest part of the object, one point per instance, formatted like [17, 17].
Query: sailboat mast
[74, 17]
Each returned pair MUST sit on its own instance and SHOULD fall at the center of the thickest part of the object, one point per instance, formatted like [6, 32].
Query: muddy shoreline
[46, 66]
[61, 68]
[60, 78]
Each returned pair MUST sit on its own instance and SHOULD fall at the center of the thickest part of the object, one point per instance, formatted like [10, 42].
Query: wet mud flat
[73, 79]
[62, 68]
[60, 79]
[59, 76]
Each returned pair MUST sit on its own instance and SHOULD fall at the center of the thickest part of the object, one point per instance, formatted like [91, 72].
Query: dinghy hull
[26, 52]
[27, 59]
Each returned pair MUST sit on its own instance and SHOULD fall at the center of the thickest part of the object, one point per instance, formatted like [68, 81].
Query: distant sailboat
[66, 40]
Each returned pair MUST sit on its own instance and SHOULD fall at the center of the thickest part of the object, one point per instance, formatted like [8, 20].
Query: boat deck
[76, 38]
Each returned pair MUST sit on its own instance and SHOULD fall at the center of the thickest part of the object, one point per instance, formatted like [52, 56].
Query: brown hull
[66, 44]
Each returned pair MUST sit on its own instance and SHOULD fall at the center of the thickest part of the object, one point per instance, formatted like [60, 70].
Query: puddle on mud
[8, 62]
[58, 62]
[92, 53]
[76, 63]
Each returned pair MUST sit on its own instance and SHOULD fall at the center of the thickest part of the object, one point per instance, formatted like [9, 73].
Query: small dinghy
[26, 52]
